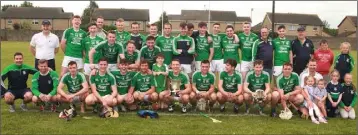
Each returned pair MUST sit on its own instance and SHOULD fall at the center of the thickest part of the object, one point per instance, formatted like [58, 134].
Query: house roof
[36, 13]
[257, 27]
[352, 18]
[203, 15]
[126, 14]
[294, 18]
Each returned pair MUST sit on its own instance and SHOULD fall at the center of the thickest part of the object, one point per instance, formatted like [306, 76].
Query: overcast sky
[332, 11]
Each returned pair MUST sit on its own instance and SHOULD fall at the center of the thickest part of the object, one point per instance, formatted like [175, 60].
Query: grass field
[34, 122]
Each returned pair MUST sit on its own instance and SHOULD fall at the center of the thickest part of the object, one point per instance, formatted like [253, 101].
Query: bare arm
[83, 90]
[239, 90]
[339, 98]
[211, 89]
[131, 90]
[220, 86]
[151, 90]
[246, 88]
[63, 45]
[114, 90]
[60, 89]
[268, 88]
[95, 93]
[211, 54]
[90, 56]
[291, 57]
[187, 89]
[33, 50]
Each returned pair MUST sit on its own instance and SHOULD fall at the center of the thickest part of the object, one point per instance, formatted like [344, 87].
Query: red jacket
[324, 60]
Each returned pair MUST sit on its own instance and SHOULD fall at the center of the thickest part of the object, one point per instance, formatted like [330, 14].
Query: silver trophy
[174, 87]
[259, 96]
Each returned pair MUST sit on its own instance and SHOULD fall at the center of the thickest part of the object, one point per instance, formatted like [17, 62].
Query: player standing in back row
[165, 43]
[71, 44]
[204, 49]
[282, 51]
[247, 39]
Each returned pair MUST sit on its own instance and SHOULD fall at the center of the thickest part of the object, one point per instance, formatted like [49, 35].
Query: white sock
[146, 97]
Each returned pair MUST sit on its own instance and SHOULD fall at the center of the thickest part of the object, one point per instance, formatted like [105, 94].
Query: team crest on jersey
[96, 79]
[49, 81]
[24, 72]
[347, 60]
[335, 89]
[352, 91]
[307, 45]
[140, 42]
[257, 81]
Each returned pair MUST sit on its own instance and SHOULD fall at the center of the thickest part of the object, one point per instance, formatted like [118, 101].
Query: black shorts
[19, 93]
[51, 64]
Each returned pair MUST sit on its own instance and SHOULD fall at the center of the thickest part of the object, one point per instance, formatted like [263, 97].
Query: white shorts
[67, 60]
[217, 65]
[112, 67]
[186, 68]
[87, 68]
[197, 65]
[277, 70]
[246, 66]
[238, 67]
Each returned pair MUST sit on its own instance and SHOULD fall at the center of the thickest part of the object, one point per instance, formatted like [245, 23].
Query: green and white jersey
[132, 58]
[74, 84]
[160, 80]
[257, 82]
[218, 50]
[183, 77]
[246, 42]
[231, 82]
[230, 49]
[123, 81]
[142, 82]
[282, 48]
[203, 82]
[87, 44]
[288, 84]
[202, 48]
[166, 46]
[111, 52]
[122, 37]
[73, 42]
[149, 54]
[103, 83]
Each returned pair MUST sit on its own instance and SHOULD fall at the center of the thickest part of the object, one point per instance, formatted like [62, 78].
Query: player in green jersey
[88, 43]
[203, 85]
[44, 86]
[103, 86]
[288, 86]
[153, 31]
[165, 43]
[109, 49]
[247, 38]
[217, 63]
[258, 79]
[132, 56]
[230, 86]
[230, 47]
[76, 84]
[150, 51]
[71, 44]
[282, 51]
[160, 72]
[143, 85]
[123, 79]
[181, 95]
[121, 35]
[204, 49]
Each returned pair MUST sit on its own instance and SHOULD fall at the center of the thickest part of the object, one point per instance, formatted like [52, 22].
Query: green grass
[33, 122]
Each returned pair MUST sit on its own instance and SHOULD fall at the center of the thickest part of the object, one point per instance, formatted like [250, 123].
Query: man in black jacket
[302, 50]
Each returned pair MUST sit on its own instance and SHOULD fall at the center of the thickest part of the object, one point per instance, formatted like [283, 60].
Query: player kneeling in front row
[142, 85]
[230, 87]
[44, 86]
[123, 80]
[179, 85]
[258, 79]
[103, 86]
[77, 87]
[203, 86]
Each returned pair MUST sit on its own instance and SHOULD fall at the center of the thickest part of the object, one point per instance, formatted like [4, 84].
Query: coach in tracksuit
[262, 49]
[302, 50]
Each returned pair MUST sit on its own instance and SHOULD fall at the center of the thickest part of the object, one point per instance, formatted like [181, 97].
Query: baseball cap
[301, 29]
[46, 22]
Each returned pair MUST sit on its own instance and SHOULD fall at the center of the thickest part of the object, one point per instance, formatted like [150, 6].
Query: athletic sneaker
[24, 107]
[322, 120]
[222, 108]
[115, 108]
[236, 109]
[183, 109]
[123, 108]
[12, 108]
[171, 108]
[53, 108]
[273, 114]
[315, 121]
[247, 110]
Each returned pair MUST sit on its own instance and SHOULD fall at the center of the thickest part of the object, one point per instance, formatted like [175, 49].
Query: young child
[349, 98]
[334, 89]
[324, 57]
[320, 95]
[309, 88]
[160, 72]
[344, 62]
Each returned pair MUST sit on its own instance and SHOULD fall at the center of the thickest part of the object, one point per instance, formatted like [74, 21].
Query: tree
[330, 31]
[26, 4]
[25, 26]
[88, 12]
[4, 7]
[326, 24]
[159, 22]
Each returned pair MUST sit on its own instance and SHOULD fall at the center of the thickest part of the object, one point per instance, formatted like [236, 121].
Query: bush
[109, 27]
[16, 26]
[26, 26]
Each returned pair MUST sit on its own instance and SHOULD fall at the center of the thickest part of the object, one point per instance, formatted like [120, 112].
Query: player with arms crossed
[110, 50]
[71, 44]
[165, 43]
[103, 86]
[230, 88]
[203, 85]
[76, 84]
[230, 47]
[204, 49]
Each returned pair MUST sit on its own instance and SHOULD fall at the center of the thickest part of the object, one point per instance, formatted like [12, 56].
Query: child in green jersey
[160, 72]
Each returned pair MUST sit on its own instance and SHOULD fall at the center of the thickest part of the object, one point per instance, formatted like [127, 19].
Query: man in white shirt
[310, 71]
[101, 32]
[44, 45]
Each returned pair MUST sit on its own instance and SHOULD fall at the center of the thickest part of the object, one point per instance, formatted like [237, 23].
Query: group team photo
[108, 73]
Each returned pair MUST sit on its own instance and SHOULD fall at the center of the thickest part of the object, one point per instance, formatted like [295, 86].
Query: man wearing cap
[302, 50]
[44, 45]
